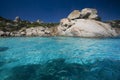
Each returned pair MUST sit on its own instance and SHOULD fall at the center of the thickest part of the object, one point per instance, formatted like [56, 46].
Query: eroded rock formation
[85, 24]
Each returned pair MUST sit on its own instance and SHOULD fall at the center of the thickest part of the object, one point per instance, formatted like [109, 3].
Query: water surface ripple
[85, 55]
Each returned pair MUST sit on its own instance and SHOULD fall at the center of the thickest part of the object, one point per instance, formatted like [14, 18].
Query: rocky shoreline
[84, 23]
[34, 31]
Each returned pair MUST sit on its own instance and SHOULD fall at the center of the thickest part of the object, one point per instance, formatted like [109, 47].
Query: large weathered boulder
[89, 13]
[1, 33]
[7, 33]
[85, 24]
[74, 15]
[31, 32]
[85, 28]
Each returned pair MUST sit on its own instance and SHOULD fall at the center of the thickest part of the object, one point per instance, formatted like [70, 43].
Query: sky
[54, 10]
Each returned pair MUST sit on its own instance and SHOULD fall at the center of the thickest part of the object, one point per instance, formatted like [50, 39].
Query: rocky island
[84, 23]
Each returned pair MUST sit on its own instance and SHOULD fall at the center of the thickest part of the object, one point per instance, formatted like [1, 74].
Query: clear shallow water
[38, 51]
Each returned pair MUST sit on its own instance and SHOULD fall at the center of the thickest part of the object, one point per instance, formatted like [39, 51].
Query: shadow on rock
[58, 69]
[3, 49]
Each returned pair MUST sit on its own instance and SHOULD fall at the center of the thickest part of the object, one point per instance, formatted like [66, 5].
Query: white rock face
[89, 13]
[86, 28]
[37, 31]
[85, 23]
[74, 15]
[1, 33]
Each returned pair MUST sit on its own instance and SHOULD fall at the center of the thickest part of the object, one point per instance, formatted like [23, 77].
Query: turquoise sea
[59, 58]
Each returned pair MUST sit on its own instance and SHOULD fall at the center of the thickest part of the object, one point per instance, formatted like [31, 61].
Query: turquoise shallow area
[22, 51]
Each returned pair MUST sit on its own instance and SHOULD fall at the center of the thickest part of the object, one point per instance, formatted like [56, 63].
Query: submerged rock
[2, 49]
[58, 69]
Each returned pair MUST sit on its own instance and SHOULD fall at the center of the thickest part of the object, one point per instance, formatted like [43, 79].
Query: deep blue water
[59, 58]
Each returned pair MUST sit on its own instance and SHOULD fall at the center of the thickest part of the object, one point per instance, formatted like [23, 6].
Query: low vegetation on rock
[10, 25]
